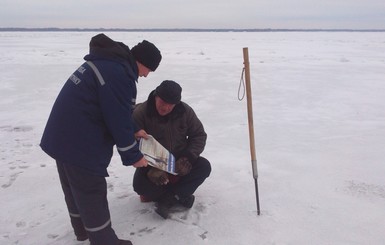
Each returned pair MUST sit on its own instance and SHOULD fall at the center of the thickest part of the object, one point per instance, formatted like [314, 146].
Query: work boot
[186, 202]
[124, 242]
[82, 237]
[164, 204]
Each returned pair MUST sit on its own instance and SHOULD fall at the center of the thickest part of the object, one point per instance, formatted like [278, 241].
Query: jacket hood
[105, 47]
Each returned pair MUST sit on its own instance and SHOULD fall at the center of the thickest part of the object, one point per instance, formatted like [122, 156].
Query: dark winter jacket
[90, 116]
[180, 131]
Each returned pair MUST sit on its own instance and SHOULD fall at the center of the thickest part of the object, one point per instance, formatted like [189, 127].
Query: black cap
[169, 91]
[147, 54]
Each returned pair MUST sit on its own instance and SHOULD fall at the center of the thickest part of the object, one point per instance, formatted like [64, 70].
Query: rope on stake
[241, 84]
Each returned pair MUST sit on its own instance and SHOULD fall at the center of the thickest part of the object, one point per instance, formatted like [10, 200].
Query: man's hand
[141, 134]
[183, 166]
[141, 163]
[157, 176]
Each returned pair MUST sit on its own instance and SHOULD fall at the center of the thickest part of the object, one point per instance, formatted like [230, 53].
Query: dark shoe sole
[189, 203]
[82, 238]
[162, 212]
[124, 242]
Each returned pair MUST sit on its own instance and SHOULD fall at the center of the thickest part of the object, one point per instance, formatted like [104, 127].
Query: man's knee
[141, 184]
[204, 166]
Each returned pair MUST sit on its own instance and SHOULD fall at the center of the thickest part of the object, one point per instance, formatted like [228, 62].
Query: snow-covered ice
[319, 120]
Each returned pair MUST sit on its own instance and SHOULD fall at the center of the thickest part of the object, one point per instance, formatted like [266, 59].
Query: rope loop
[241, 84]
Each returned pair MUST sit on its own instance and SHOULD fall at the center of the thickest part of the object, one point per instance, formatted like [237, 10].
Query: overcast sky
[325, 14]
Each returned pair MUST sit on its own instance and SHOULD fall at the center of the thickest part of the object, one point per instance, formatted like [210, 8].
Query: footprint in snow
[12, 179]
[362, 189]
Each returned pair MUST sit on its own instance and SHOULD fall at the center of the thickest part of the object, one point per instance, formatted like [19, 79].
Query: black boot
[186, 202]
[164, 204]
[82, 237]
[124, 242]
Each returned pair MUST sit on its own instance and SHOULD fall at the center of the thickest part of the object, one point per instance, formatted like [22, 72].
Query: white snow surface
[319, 121]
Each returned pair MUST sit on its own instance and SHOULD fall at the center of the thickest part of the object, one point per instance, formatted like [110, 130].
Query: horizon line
[53, 29]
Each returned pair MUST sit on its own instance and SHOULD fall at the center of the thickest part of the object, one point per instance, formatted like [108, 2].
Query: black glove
[183, 166]
[157, 176]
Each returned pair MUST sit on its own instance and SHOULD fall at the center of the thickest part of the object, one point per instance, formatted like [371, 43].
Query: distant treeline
[180, 30]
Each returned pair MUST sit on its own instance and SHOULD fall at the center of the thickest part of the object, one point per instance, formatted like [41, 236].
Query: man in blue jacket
[91, 114]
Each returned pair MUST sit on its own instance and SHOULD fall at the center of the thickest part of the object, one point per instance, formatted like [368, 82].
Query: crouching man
[175, 125]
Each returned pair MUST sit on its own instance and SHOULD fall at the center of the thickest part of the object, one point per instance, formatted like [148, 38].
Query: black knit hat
[147, 54]
[169, 91]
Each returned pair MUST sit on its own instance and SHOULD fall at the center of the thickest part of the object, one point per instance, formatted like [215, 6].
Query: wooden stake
[251, 123]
